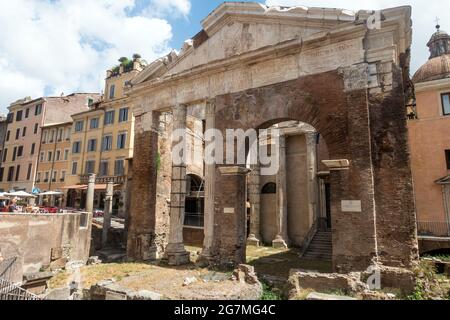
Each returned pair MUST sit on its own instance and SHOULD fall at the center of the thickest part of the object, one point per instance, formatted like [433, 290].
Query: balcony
[433, 229]
[84, 179]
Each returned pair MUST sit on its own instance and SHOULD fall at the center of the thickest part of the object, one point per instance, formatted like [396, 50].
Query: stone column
[254, 191]
[175, 253]
[313, 186]
[90, 194]
[282, 236]
[107, 213]
[210, 178]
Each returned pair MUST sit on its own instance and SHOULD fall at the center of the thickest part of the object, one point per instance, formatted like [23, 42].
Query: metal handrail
[433, 228]
[6, 268]
[10, 291]
[309, 237]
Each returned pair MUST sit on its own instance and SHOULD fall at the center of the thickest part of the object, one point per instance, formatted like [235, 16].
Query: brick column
[254, 191]
[231, 215]
[175, 253]
[141, 244]
[282, 237]
[210, 177]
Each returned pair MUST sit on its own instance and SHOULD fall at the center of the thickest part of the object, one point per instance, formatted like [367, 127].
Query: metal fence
[10, 291]
[433, 229]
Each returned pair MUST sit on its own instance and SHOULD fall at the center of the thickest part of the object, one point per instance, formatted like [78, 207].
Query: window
[63, 176]
[109, 117]
[19, 115]
[30, 168]
[38, 109]
[445, 104]
[66, 154]
[123, 115]
[20, 152]
[94, 123]
[44, 137]
[90, 102]
[17, 134]
[68, 133]
[52, 136]
[36, 128]
[76, 148]
[27, 113]
[41, 157]
[58, 155]
[14, 154]
[107, 143]
[2, 173]
[10, 118]
[24, 132]
[47, 176]
[92, 145]
[74, 168]
[269, 188]
[38, 177]
[10, 174]
[104, 166]
[33, 148]
[60, 134]
[54, 176]
[119, 168]
[79, 126]
[122, 140]
[50, 156]
[112, 90]
[18, 173]
[447, 157]
[5, 155]
[90, 167]
[8, 134]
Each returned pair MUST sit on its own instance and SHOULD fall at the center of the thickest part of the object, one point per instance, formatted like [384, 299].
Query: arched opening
[194, 216]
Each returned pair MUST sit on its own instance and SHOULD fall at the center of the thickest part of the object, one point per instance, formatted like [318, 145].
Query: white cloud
[67, 46]
[424, 16]
[169, 7]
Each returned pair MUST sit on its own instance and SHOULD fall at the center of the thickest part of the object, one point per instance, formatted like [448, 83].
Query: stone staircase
[320, 247]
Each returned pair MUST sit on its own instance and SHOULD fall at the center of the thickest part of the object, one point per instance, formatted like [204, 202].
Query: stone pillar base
[253, 241]
[205, 260]
[279, 243]
[176, 255]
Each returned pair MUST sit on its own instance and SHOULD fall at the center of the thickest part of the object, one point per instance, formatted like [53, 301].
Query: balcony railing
[433, 229]
[84, 179]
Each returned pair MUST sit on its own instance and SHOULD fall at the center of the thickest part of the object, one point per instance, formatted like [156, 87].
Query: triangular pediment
[237, 28]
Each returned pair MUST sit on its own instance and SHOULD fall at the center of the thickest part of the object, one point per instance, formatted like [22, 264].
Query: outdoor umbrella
[20, 194]
[51, 193]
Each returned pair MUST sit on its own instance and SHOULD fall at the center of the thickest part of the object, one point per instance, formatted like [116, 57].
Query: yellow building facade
[53, 161]
[102, 141]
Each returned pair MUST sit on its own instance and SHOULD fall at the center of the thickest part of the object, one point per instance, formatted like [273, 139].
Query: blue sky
[49, 47]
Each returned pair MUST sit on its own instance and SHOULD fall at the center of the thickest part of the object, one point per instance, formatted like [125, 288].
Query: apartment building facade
[23, 136]
[102, 141]
[53, 163]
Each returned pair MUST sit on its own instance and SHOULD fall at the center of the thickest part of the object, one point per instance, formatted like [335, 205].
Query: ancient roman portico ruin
[252, 67]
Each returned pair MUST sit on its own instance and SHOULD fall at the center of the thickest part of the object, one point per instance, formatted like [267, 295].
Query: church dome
[435, 69]
[438, 66]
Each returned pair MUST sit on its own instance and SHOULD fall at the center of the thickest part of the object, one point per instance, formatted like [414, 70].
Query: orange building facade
[429, 135]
